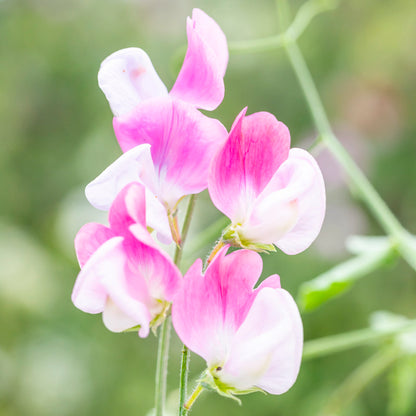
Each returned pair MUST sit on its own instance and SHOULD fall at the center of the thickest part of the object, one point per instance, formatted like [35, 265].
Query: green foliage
[373, 254]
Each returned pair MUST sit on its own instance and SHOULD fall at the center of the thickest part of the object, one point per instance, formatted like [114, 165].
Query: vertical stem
[164, 332]
[185, 228]
[183, 381]
[183, 377]
[162, 366]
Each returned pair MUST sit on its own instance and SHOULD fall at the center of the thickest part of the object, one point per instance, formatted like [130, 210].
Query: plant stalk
[336, 343]
[162, 366]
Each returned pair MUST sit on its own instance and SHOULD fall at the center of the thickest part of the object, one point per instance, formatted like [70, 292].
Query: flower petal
[109, 259]
[130, 301]
[257, 145]
[136, 165]
[266, 350]
[162, 276]
[133, 166]
[200, 80]
[127, 77]
[128, 208]
[183, 142]
[89, 238]
[115, 319]
[307, 182]
[208, 310]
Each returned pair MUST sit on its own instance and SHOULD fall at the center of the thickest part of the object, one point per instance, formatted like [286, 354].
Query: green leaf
[337, 280]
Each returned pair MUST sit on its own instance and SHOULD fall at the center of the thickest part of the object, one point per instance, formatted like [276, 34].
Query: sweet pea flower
[168, 147]
[250, 339]
[127, 77]
[124, 275]
[272, 194]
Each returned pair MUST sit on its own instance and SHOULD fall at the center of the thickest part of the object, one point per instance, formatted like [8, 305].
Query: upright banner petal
[200, 80]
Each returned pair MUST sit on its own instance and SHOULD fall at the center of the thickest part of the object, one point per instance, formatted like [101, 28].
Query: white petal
[271, 218]
[136, 165]
[266, 350]
[115, 319]
[89, 293]
[127, 77]
[156, 218]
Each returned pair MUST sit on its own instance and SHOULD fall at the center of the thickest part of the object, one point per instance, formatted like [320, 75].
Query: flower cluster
[251, 338]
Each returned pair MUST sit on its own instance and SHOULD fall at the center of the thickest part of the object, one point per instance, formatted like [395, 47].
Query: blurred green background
[56, 136]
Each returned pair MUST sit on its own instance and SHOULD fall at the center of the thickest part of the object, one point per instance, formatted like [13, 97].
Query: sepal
[232, 237]
[210, 381]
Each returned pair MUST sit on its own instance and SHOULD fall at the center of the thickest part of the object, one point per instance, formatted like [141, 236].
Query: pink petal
[307, 182]
[162, 276]
[128, 208]
[208, 310]
[257, 145]
[200, 80]
[127, 77]
[267, 349]
[183, 142]
[89, 238]
[109, 259]
[272, 281]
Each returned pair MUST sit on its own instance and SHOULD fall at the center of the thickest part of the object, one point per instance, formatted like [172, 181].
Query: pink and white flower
[124, 275]
[272, 194]
[250, 339]
[168, 147]
[127, 77]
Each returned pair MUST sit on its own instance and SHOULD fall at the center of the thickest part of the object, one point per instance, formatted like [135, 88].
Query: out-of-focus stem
[162, 367]
[365, 189]
[290, 33]
[185, 228]
[336, 343]
[359, 379]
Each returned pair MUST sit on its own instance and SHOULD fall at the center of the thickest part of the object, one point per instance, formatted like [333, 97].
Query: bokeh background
[56, 136]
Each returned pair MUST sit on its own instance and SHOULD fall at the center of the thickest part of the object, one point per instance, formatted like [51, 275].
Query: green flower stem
[183, 377]
[185, 228]
[195, 394]
[162, 366]
[336, 343]
[258, 45]
[183, 381]
[218, 246]
[359, 379]
[164, 332]
[301, 21]
[364, 188]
